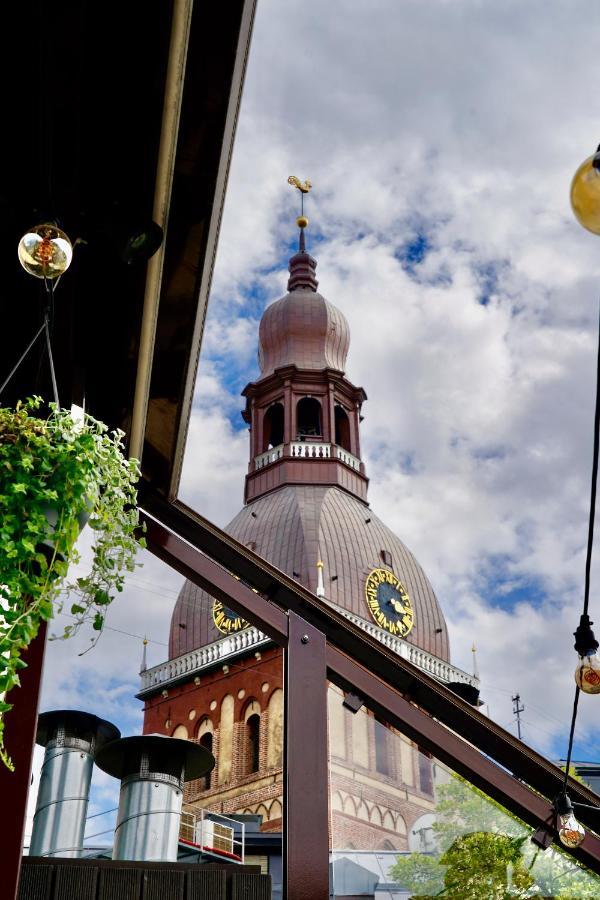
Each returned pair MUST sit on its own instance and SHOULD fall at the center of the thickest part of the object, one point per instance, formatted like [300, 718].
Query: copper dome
[302, 328]
[295, 526]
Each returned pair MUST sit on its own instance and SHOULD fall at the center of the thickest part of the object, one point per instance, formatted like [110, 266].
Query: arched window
[181, 732]
[342, 428]
[204, 736]
[382, 753]
[273, 426]
[252, 743]
[308, 418]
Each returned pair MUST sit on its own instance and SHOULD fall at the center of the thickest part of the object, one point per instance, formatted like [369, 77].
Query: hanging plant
[55, 474]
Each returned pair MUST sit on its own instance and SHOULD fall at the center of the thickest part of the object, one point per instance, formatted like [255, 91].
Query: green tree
[485, 853]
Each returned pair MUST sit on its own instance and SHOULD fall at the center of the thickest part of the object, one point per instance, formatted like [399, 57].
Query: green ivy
[53, 473]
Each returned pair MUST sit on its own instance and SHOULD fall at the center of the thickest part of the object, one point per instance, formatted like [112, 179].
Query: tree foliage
[54, 473]
[485, 853]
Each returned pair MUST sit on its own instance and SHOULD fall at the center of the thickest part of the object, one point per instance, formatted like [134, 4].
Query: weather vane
[304, 187]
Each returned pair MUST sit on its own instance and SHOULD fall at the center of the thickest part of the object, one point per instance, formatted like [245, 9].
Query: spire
[475, 666]
[320, 585]
[302, 265]
[144, 659]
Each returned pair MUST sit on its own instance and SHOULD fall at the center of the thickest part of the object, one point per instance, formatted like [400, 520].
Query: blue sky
[440, 139]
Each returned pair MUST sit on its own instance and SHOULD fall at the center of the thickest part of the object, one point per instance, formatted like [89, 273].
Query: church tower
[306, 511]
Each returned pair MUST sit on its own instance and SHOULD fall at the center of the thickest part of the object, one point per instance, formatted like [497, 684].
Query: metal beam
[20, 741]
[452, 750]
[306, 798]
[431, 695]
[219, 583]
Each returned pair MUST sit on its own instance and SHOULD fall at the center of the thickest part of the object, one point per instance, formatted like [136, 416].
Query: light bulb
[570, 832]
[45, 251]
[585, 194]
[587, 673]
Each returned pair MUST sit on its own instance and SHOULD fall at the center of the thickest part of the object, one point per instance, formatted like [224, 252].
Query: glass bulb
[587, 673]
[45, 251]
[585, 194]
[571, 833]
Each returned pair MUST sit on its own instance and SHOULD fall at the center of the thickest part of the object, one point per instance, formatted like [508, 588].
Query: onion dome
[303, 329]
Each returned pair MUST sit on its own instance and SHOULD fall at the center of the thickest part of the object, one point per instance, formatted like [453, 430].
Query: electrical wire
[590, 543]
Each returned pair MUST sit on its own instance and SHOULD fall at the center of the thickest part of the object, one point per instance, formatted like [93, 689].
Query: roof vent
[72, 739]
[152, 769]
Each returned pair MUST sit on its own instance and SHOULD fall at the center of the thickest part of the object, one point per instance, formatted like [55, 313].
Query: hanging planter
[55, 474]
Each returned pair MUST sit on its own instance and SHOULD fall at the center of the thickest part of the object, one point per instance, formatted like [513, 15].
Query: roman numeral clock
[389, 603]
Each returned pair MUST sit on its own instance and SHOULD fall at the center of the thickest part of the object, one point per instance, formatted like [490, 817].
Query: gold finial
[304, 187]
[319, 564]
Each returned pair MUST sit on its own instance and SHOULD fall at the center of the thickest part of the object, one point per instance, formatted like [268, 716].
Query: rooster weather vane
[304, 187]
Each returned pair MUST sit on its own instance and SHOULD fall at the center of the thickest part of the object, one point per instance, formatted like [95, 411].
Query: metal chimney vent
[152, 769]
[71, 738]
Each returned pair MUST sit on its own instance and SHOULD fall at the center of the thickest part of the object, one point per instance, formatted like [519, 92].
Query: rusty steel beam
[20, 731]
[452, 750]
[220, 584]
[432, 696]
[306, 798]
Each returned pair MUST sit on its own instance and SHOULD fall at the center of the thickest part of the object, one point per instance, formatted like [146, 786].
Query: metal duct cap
[146, 755]
[72, 727]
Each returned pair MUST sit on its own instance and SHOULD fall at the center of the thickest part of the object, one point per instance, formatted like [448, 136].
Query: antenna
[517, 710]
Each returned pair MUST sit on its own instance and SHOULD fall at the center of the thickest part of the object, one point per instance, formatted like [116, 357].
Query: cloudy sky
[440, 138]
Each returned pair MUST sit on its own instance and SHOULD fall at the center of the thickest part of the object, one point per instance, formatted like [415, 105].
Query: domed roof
[303, 328]
[296, 526]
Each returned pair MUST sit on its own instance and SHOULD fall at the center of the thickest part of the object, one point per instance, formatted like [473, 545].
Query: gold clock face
[226, 620]
[389, 603]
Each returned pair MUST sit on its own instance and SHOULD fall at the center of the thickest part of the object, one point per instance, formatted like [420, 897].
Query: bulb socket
[585, 640]
[563, 805]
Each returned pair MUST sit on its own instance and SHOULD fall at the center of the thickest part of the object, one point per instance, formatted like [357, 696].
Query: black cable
[588, 562]
[571, 735]
[590, 542]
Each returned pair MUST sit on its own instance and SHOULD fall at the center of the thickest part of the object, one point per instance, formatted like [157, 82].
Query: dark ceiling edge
[163, 187]
[239, 74]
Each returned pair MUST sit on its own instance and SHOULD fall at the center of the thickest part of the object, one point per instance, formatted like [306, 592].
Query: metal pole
[71, 738]
[306, 800]
[517, 710]
[20, 739]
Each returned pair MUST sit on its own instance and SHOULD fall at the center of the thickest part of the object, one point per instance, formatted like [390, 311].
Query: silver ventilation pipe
[71, 739]
[152, 769]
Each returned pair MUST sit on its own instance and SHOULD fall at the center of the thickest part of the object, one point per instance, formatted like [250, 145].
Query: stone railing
[307, 450]
[203, 658]
[427, 662]
[346, 457]
[311, 449]
[225, 648]
[268, 457]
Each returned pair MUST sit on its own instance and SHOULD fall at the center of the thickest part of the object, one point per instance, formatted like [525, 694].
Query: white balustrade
[307, 450]
[223, 649]
[268, 457]
[196, 660]
[347, 458]
[311, 449]
[435, 666]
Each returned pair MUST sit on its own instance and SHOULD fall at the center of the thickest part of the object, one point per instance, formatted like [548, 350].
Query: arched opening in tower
[308, 418]
[252, 743]
[342, 428]
[206, 741]
[273, 426]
